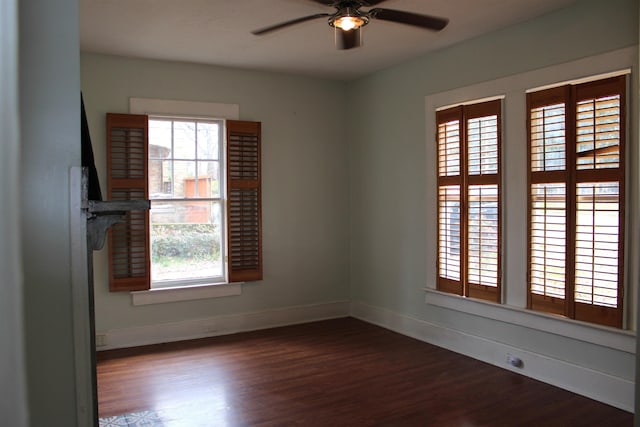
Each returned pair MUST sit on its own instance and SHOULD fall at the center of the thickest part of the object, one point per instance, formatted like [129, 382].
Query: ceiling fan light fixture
[348, 18]
[347, 23]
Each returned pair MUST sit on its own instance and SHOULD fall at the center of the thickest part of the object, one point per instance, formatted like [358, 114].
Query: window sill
[185, 293]
[623, 340]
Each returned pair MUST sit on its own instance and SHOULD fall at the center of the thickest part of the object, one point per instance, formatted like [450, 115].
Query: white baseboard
[606, 388]
[219, 325]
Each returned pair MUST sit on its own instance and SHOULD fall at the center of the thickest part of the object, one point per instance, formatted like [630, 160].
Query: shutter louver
[597, 244]
[244, 204]
[548, 150]
[483, 235]
[449, 240]
[127, 141]
[598, 133]
[548, 242]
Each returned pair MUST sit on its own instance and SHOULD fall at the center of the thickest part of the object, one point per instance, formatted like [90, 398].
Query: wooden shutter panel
[576, 200]
[599, 200]
[482, 141]
[127, 145]
[244, 204]
[451, 224]
[549, 124]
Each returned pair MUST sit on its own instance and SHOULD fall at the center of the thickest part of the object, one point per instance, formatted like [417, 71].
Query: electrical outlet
[101, 340]
[514, 361]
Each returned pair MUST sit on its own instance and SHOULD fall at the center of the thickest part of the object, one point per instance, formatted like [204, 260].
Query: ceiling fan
[348, 20]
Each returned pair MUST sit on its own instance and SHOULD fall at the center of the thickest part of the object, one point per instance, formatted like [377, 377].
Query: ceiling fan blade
[348, 39]
[362, 2]
[288, 23]
[409, 18]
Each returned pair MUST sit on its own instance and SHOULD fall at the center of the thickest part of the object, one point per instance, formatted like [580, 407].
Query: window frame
[464, 180]
[221, 199]
[572, 176]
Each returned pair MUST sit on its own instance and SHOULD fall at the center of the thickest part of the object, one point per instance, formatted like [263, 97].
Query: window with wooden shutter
[129, 176]
[129, 263]
[469, 230]
[244, 207]
[576, 200]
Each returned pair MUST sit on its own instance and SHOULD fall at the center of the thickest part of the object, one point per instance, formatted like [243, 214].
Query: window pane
[598, 133]
[482, 145]
[160, 179]
[209, 179]
[548, 239]
[597, 237]
[186, 240]
[184, 179]
[483, 230]
[159, 139]
[184, 140]
[208, 140]
[449, 233]
[449, 148]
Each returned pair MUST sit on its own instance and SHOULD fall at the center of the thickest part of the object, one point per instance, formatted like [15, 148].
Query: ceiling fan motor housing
[349, 16]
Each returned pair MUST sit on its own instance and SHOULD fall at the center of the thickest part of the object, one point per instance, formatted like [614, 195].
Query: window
[469, 230]
[576, 200]
[186, 218]
[179, 164]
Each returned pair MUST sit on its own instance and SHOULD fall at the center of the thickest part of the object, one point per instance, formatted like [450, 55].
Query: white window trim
[186, 293]
[514, 181]
[191, 109]
[164, 107]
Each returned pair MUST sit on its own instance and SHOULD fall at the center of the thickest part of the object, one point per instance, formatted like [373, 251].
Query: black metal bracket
[103, 214]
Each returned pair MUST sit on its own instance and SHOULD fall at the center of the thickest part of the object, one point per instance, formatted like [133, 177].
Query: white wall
[50, 144]
[392, 211]
[305, 195]
[13, 399]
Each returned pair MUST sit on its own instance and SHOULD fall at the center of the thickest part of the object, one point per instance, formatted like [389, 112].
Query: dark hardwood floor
[340, 372]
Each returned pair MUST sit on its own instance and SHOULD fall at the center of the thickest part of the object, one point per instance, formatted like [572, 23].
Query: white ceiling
[219, 32]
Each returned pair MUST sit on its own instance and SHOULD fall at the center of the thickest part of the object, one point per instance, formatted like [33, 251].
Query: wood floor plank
[341, 372]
